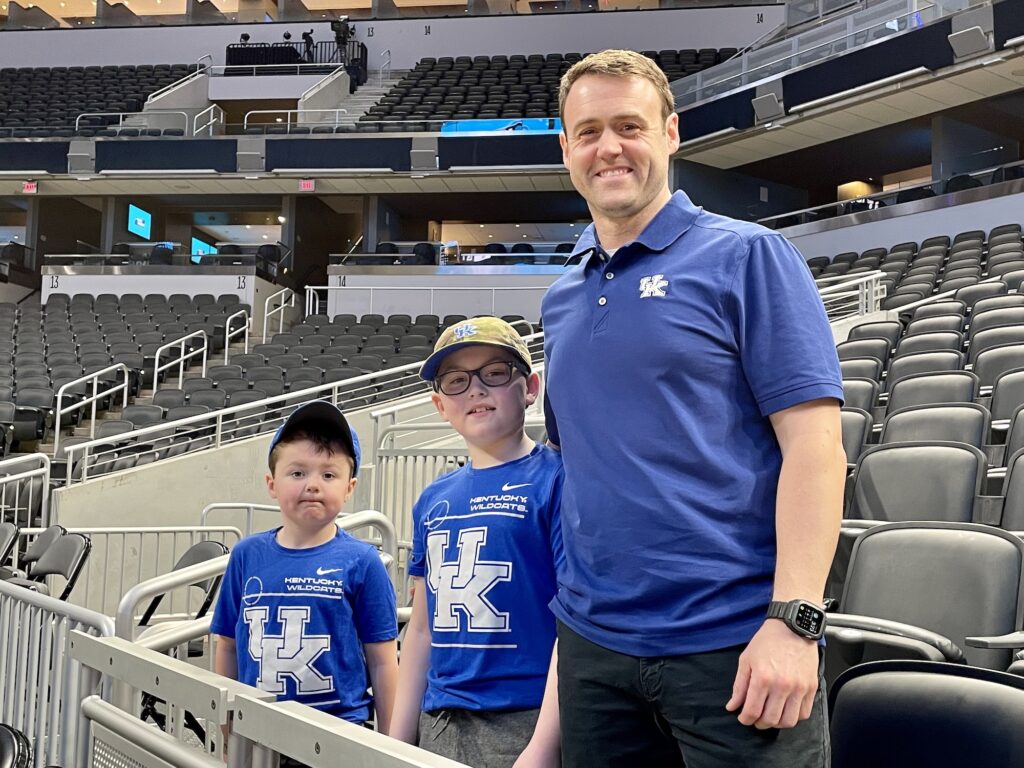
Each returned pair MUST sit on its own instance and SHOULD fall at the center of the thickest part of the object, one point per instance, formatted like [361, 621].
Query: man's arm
[778, 672]
[544, 749]
[412, 672]
[382, 664]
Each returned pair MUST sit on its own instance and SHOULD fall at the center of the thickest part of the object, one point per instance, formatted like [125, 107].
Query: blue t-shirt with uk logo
[488, 543]
[300, 617]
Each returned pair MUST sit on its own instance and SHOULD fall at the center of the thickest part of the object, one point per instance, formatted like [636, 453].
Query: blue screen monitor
[140, 222]
[200, 249]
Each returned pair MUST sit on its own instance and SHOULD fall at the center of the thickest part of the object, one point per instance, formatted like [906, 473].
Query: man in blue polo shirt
[694, 390]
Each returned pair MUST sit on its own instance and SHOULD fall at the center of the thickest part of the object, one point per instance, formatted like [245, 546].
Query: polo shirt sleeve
[550, 423]
[555, 520]
[374, 610]
[225, 615]
[783, 335]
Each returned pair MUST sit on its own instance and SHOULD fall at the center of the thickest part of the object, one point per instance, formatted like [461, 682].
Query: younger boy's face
[310, 486]
[486, 415]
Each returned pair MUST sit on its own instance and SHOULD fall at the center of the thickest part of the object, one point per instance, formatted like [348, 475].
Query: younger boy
[306, 611]
[486, 546]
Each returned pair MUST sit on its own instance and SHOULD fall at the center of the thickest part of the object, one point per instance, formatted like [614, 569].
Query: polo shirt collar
[667, 226]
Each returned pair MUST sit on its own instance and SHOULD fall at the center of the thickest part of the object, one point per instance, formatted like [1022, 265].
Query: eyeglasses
[491, 375]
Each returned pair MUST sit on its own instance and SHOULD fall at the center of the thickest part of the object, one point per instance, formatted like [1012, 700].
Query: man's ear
[672, 129]
[563, 142]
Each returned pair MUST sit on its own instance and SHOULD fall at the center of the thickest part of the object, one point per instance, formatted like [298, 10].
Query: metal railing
[247, 509]
[25, 491]
[178, 83]
[213, 115]
[313, 89]
[338, 112]
[385, 67]
[852, 297]
[90, 400]
[230, 335]
[313, 298]
[43, 687]
[122, 115]
[242, 421]
[122, 557]
[183, 359]
[286, 297]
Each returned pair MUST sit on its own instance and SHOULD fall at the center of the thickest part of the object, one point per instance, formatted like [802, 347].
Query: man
[694, 390]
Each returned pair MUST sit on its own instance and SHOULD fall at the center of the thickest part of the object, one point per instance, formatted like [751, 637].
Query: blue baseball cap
[322, 418]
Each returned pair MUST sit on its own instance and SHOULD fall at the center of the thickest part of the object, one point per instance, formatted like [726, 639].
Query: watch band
[803, 618]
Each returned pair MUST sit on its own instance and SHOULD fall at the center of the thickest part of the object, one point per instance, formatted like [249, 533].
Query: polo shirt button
[602, 301]
[609, 275]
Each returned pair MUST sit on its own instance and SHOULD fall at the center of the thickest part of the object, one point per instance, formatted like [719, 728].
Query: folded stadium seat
[945, 307]
[994, 337]
[268, 350]
[903, 578]
[929, 342]
[993, 318]
[381, 351]
[168, 398]
[65, 557]
[878, 348]
[343, 350]
[326, 361]
[219, 373]
[991, 363]
[889, 330]
[861, 394]
[303, 378]
[972, 272]
[931, 713]
[856, 432]
[286, 361]
[359, 330]
[214, 399]
[922, 362]
[938, 422]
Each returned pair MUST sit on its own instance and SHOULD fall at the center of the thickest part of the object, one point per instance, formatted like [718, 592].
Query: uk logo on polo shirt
[653, 285]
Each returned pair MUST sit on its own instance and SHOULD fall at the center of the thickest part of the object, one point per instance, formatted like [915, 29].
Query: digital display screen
[199, 248]
[140, 222]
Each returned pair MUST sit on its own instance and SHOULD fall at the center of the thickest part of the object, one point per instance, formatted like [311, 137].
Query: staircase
[367, 95]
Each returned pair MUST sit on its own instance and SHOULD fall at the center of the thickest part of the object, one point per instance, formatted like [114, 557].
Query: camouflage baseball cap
[490, 331]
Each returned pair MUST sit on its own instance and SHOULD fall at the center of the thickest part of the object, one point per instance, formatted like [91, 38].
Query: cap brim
[429, 369]
[320, 416]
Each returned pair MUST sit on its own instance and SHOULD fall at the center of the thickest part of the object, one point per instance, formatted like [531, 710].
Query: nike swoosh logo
[507, 487]
[325, 571]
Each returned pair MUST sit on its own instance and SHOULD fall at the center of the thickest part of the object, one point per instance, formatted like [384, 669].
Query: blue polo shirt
[664, 363]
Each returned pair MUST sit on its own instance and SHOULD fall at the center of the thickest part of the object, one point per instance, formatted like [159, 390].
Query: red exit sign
[29, 187]
[307, 185]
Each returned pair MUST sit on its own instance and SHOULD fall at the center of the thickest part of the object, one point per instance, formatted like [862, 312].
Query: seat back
[199, 552]
[65, 557]
[856, 426]
[900, 713]
[8, 537]
[860, 393]
[933, 388]
[930, 342]
[945, 422]
[914, 573]
[923, 362]
[917, 481]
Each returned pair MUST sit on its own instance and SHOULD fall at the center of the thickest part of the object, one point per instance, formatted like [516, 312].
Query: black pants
[618, 710]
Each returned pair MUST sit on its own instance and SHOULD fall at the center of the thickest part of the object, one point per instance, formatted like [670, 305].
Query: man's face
[616, 145]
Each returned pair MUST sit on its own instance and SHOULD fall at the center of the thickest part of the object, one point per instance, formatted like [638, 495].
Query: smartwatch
[804, 618]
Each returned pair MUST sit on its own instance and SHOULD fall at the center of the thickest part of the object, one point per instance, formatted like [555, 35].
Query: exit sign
[307, 185]
[29, 187]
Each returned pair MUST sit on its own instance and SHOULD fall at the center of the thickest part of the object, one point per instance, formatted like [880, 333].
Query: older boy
[305, 610]
[486, 547]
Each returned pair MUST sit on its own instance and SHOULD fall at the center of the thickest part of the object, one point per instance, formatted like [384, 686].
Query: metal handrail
[121, 115]
[241, 330]
[94, 378]
[279, 310]
[250, 512]
[313, 300]
[219, 417]
[178, 83]
[386, 66]
[337, 112]
[213, 109]
[43, 471]
[316, 87]
[157, 368]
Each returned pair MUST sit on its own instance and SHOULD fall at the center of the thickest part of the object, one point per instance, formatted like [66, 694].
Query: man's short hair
[617, 63]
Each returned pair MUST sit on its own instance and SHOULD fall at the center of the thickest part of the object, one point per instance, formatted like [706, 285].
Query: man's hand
[777, 678]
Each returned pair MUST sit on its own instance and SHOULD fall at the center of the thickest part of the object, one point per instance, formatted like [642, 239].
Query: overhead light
[248, 226]
[525, 235]
[281, 219]
[266, 237]
[490, 235]
[517, 226]
[481, 226]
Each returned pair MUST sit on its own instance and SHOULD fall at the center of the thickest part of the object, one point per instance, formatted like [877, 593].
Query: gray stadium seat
[933, 388]
[946, 422]
[929, 342]
[856, 426]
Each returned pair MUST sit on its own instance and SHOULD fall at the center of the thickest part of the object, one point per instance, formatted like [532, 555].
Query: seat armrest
[1011, 641]
[947, 647]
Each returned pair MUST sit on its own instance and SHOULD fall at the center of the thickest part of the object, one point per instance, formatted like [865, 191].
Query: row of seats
[500, 87]
[54, 552]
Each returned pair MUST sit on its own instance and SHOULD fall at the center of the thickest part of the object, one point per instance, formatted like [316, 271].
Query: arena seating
[499, 87]
[46, 101]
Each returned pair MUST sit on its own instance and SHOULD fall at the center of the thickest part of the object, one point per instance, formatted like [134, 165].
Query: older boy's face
[486, 415]
[310, 486]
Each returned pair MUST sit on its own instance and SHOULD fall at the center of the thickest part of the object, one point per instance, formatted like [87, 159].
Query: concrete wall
[984, 214]
[407, 39]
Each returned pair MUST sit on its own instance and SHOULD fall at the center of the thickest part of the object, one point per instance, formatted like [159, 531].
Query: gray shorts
[477, 739]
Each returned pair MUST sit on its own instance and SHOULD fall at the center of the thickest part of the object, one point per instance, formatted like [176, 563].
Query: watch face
[809, 619]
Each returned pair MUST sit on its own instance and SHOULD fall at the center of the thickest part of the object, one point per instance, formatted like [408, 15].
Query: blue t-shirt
[663, 365]
[300, 618]
[488, 543]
